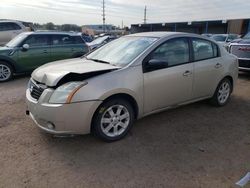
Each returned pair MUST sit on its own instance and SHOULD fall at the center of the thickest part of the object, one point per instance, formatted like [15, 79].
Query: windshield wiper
[99, 61]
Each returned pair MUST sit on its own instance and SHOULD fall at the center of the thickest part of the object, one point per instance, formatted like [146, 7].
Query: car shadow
[244, 75]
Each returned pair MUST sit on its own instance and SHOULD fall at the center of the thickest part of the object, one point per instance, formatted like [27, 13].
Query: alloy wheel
[5, 72]
[224, 92]
[115, 120]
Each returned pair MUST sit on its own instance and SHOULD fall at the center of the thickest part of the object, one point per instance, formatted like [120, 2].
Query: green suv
[30, 50]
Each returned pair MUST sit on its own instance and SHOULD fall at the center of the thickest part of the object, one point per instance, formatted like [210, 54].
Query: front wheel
[222, 93]
[113, 120]
[6, 72]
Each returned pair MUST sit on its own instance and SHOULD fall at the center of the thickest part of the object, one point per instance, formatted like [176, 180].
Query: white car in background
[10, 29]
[100, 41]
[225, 39]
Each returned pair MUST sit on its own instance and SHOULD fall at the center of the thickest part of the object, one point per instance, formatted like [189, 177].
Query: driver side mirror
[155, 64]
[25, 47]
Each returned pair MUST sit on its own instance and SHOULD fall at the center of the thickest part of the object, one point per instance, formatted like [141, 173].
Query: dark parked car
[241, 48]
[30, 50]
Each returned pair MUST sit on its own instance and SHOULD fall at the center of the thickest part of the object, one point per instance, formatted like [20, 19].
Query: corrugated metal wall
[235, 26]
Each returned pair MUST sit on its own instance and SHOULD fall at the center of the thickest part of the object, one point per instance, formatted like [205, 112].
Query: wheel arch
[10, 62]
[125, 96]
[230, 78]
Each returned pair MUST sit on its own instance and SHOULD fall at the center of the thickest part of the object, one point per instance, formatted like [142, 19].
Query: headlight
[65, 93]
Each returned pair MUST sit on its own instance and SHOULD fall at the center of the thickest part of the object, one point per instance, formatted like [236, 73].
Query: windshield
[220, 38]
[122, 51]
[17, 40]
[247, 36]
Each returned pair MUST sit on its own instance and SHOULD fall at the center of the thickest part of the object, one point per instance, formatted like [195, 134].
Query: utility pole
[145, 15]
[122, 24]
[103, 15]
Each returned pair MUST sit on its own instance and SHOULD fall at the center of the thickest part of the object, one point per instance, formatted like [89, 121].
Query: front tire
[222, 93]
[6, 72]
[113, 119]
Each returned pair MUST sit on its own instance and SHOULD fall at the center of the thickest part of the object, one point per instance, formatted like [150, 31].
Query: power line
[145, 15]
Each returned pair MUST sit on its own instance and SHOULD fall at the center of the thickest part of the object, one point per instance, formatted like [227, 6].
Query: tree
[49, 26]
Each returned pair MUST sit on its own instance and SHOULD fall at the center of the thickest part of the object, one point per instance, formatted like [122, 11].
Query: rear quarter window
[78, 40]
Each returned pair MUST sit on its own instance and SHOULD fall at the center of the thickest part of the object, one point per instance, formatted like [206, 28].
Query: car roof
[9, 21]
[54, 33]
[161, 34]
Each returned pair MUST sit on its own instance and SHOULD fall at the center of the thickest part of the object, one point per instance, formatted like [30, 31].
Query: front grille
[244, 63]
[36, 90]
[241, 51]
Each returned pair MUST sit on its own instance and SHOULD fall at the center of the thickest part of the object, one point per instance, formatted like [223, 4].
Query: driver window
[174, 52]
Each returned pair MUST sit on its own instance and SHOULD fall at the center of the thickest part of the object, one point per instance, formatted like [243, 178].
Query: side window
[62, 39]
[7, 26]
[14, 26]
[78, 40]
[37, 40]
[2, 28]
[204, 49]
[174, 52]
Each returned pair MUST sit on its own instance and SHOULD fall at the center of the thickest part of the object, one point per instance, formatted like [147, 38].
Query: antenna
[145, 15]
[103, 15]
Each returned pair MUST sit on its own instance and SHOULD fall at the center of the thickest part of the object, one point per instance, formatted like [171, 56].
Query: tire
[222, 93]
[6, 72]
[113, 119]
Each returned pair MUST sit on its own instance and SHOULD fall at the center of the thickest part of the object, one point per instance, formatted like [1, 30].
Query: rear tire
[6, 72]
[222, 93]
[113, 119]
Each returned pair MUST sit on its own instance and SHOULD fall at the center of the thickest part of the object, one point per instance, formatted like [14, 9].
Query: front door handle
[187, 73]
[218, 65]
[45, 51]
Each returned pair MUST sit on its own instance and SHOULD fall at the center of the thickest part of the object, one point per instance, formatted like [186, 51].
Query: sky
[84, 12]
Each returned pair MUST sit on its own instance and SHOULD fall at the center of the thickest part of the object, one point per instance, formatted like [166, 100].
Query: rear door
[37, 54]
[62, 47]
[208, 67]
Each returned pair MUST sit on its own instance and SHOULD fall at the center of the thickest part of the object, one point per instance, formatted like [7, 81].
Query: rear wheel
[6, 72]
[222, 93]
[113, 119]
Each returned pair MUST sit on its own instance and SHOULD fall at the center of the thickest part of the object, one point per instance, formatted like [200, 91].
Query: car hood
[51, 73]
[241, 41]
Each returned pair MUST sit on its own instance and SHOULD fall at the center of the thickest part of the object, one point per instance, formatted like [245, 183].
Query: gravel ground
[197, 145]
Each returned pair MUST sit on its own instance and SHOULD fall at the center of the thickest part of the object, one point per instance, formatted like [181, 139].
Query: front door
[172, 84]
[37, 54]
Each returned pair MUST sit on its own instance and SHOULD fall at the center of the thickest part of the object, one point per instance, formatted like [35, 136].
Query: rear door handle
[45, 51]
[187, 73]
[218, 65]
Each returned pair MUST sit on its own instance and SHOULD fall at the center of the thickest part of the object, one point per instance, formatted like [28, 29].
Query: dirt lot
[193, 146]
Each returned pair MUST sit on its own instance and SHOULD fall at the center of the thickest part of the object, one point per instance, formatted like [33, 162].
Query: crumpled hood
[51, 73]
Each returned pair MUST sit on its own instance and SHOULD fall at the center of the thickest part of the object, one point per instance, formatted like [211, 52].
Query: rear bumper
[74, 118]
